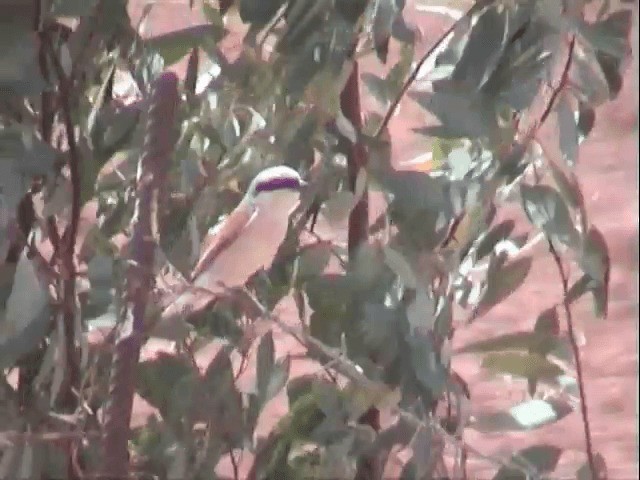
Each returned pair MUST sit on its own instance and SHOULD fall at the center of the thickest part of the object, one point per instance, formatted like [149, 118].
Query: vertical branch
[546, 112]
[356, 159]
[358, 225]
[68, 240]
[152, 171]
[576, 355]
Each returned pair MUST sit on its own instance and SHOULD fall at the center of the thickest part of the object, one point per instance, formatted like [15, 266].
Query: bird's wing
[219, 241]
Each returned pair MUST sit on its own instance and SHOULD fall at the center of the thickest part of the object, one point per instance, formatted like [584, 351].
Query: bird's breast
[253, 249]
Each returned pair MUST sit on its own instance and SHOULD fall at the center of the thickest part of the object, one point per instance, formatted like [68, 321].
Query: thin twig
[563, 275]
[564, 78]
[68, 240]
[345, 367]
[576, 355]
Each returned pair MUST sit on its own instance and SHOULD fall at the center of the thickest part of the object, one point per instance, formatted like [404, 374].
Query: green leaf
[609, 35]
[489, 240]
[518, 341]
[462, 113]
[258, 13]
[421, 312]
[384, 14]
[175, 45]
[157, 378]
[610, 67]
[401, 267]
[569, 188]
[568, 132]
[548, 322]
[313, 260]
[595, 262]
[302, 17]
[71, 8]
[523, 417]
[223, 401]
[338, 207]
[584, 472]
[521, 365]
[100, 272]
[547, 210]
[328, 293]
[442, 147]
[219, 373]
[586, 120]
[592, 85]
[19, 69]
[183, 400]
[398, 73]
[431, 375]
[421, 446]
[377, 87]
[279, 377]
[26, 317]
[99, 102]
[213, 15]
[328, 327]
[502, 282]
[579, 288]
[379, 331]
[264, 363]
[147, 69]
[483, 49]
[543, 457]
[30, 155]
[299, 387]
[595, 256]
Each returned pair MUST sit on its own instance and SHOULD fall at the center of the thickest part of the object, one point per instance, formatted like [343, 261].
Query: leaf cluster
[380, 327]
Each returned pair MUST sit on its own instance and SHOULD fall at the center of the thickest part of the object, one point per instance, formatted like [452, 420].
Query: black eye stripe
[278, 184]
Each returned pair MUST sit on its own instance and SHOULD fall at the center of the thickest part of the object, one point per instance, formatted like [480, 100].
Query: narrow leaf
[522, 417]
[568, 130]
[377, 87]
[488, 242]
[521, 365]
[279, 378]
[547, 210]
[543, 457]
[524, 341]
[313, 260]
[584, 472]
[384, 14]
[176, 44]
[27, 316]
[483, 49]
[609, 35]
[264, 363]
[501, 283]
[400, 267]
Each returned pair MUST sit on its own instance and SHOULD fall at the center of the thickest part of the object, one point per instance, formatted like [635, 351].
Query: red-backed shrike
[243, 243]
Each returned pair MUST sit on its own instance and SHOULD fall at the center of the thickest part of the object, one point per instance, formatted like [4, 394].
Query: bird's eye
[274, 184]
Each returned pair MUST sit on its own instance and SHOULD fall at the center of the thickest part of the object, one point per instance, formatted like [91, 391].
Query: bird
[245, 242]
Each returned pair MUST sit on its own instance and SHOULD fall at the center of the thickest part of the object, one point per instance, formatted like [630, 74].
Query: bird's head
[276, 188]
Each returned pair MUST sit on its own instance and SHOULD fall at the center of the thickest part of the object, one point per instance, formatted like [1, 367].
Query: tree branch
[564, 78]
[152, 171]
[576, 355]
[66, 258]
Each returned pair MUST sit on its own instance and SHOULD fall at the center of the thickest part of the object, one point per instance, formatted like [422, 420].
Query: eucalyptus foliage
[382, 324]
